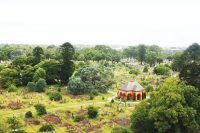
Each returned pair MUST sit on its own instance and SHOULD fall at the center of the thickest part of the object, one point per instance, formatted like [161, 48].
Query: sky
[166, 23]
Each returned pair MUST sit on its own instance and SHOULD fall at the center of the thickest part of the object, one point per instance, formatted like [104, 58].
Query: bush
[92, 112]
[146, 69]
[15, 125]
[149, 88]
[39, 73]
[40, 85]
[40, 109]
[95, 92]
[12, 88]
[120, 130]
[91, 96]
[76, 86]
[161, 70]
[31, 86]
[112, 101]
[78, 118]
[28, 114]
[47, 128]
[134, 71]
[56, 96]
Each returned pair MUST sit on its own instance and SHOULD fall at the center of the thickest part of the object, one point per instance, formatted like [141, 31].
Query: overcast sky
[170, 23]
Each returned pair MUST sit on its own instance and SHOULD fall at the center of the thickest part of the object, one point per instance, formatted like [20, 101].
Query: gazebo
[131, 91]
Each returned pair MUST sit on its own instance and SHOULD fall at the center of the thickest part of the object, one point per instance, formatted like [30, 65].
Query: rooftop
[132, 86]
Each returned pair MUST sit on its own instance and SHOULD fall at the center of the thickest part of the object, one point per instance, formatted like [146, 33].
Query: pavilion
[131, 91]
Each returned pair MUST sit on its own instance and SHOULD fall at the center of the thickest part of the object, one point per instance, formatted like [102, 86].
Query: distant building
[131, 91]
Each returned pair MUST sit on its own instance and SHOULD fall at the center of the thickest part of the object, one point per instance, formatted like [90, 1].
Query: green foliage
[40, 109]
[161, 70]
[145, 69]
[9, 76]
[52, 69]
[27, 74]
[131, 51]
[12, 88]
[141, 53]
[91, 96]
[120, 130]
[40, 85]
[39, 73]
[15, 53]
[98, 53]
[112, 101]
[20, 61]
[174, 107]
[91, 79]
[151, 58]
[67, 52]
[92, 112]
[79, 118]
[15, 125]
[134, 71]
[149, 54]
[37, 53]
[47, 128]
[97, 78]
[4, 127]
[67, 66]
[28, 114]
[190, 65]
[76, 86]
[141, 123]
[56, 96]
[31, 86]
[176, 64]
[149, 88]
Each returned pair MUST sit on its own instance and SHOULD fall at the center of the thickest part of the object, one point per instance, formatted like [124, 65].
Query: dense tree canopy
[9, 76]
[174, 107]
[37, 53]
[67, 66]
[190, 65]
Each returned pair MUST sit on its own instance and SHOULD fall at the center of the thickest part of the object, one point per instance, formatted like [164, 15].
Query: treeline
[55, 67]
[175, 106]
[97, 53]
[145, 54]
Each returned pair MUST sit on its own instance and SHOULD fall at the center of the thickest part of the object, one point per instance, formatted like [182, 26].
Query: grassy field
[110, 115]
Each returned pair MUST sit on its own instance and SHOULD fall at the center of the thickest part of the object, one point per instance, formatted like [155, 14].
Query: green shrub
[56, 96]
[40, 109]
[91, 96]
[15, 125]
[149, 88]
[47, 128]
[95, 92]
[146, 69]
[92, 112]
[40, 85]
[28, 114]
[31, 86]
[112, 101]
[134, 71]
[78, 118]
[76, 86]
[12, 88]
[120, 130]
[144, 83]
[161, 70]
